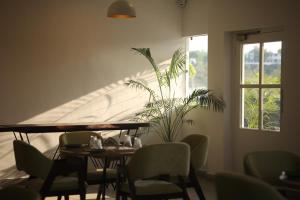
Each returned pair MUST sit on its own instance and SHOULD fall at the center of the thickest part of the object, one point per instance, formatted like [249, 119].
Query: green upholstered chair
[50, 175]
[268, 165]
[77, 137]
[18, 193]
[160, 160]
[94, 176]
[199, 145]
[231, 186]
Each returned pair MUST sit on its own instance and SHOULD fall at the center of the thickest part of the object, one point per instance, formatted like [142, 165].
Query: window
[197, 63]
[260, 85]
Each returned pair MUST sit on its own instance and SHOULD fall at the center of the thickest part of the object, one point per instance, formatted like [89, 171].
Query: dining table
[286, 186]
[19, 129]
[22, 132]
[106, 153]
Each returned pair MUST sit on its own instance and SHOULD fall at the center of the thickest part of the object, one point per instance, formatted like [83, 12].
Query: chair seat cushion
[152, 187]
[59, 184]
[64, 183]
[97, 175]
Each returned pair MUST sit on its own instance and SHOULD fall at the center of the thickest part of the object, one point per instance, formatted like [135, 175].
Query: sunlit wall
[64, 61]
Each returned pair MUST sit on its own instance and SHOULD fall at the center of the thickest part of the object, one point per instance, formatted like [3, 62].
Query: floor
[208, 188]
[207, 185]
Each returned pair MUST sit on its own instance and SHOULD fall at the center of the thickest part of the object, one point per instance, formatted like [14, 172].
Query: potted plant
[164, 111]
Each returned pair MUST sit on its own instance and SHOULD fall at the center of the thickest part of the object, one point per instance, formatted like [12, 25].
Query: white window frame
[261, 39]
[187, 76]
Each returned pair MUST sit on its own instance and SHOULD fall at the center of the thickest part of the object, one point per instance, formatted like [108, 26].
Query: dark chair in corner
[231, 186]
[50, 176]
[94, 176]
[18, 193]
[268, 165]
[163, 161]
[198, 144]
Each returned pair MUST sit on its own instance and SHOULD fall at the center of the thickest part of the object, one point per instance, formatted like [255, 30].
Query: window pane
[198, 62]
[272, 63]
[250, 65]
[271, 108]
[250, 108]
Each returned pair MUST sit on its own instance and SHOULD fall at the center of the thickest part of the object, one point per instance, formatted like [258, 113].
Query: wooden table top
[110, 151]
[292, 183]
[64, 127]
[286, 184]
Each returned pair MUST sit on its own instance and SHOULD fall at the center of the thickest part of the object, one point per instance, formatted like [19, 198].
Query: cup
[137, 143]
[127, 140]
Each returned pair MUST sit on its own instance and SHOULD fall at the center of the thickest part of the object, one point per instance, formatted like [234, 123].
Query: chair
[77, 137]
[18, 193]
[93, 176]
[50, 175]
[161, 160]
[198, 144]
[240, 187]
[268, 165]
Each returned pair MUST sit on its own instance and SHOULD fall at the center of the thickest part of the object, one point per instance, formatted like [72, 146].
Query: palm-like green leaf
[177, 66]
[142, 86]
[147, 54]
[209, 100]
[177, 63]
[166, 113]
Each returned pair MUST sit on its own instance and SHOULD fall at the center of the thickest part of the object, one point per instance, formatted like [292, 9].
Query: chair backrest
[78, 137]
[270, 164]
[31, 160]
[18, 193]
[237, 186]
[160, 159]
[199, 145]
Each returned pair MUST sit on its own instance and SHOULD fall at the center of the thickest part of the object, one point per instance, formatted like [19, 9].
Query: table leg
[27, 138]
[20, 134]
[102, 189]
[56, 150]
[15, 135]
[135, 134]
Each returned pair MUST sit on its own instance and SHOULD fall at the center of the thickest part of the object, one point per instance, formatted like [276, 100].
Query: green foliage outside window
[271, 74]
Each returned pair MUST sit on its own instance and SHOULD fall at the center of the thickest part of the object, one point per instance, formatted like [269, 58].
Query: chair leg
[66, 197]
[195, 183]
[82, 196]
[185, 195]
[117, 195]
[99, 193]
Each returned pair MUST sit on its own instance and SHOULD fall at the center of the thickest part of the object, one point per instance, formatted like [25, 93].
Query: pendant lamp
[121, 9]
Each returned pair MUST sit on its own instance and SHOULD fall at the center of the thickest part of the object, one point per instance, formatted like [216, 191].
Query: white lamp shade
[121, 9]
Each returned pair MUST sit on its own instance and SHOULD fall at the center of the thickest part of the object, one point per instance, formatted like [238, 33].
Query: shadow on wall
[115, 102]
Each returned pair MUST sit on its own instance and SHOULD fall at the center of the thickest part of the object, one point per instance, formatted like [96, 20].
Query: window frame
[187, 76]
[261, 39]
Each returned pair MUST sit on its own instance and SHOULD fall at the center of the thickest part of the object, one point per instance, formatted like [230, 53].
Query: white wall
[65, 61]
[223, 18]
